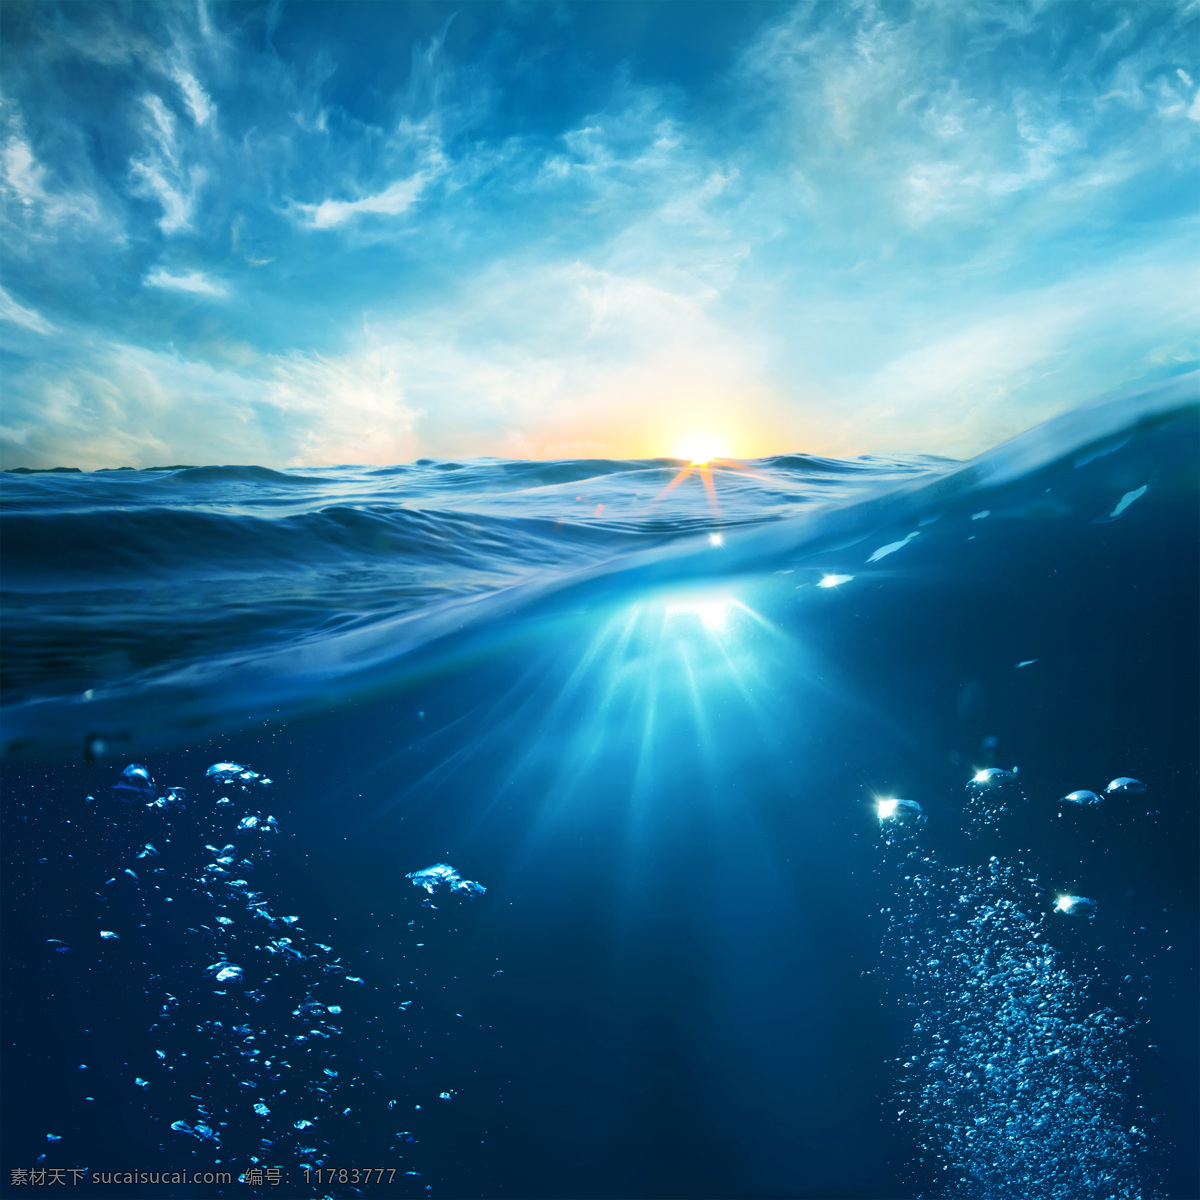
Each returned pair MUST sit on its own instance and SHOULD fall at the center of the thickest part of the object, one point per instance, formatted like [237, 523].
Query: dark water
[654, 725]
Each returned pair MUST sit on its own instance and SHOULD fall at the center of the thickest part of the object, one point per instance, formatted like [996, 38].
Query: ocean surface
[790, 828]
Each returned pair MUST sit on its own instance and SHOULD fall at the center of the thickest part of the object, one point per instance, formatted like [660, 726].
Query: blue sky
[316, 233]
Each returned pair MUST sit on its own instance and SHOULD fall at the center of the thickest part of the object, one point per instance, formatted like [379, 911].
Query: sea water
[800, 827]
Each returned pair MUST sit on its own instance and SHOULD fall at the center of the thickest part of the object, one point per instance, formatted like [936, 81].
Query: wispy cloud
[1002, 366]
[18, 314]
[197, 99]
[30, 193]
[394, 200]
[195, 282]
[159, 174]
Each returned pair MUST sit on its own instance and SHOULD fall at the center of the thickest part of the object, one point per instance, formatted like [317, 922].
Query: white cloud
[191, 281]
[160, 175]
[1003, 366]
[197, 99]
[120, 405]
[346, 409]
[23, 173]
[26, 180]
[393, 201]
[18, 314]
[937, 116]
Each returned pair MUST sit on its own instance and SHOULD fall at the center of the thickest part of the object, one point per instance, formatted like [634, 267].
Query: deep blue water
[654, 725]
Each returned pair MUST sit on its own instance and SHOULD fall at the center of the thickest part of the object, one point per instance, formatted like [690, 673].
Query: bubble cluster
[236, 774]
[444, 875]
[264, 1045]
[1015, 1080]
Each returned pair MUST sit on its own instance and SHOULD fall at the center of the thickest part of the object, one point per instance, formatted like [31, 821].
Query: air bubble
[1075, 906]
[900, 812]
[1082, 797]
[1126, 785]
[990, 777]
[135, 782]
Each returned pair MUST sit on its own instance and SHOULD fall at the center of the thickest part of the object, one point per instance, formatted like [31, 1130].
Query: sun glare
[701, 448]
[712, 612]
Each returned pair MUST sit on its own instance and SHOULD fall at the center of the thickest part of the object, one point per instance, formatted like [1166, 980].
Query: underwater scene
[795, 827]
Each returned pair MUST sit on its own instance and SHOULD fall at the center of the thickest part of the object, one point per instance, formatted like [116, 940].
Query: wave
[175, 602]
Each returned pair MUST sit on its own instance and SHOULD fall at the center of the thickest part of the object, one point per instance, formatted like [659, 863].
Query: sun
[705, 454]
[701, 447]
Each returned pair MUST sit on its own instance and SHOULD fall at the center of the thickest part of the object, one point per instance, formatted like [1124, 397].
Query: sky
[306, 233]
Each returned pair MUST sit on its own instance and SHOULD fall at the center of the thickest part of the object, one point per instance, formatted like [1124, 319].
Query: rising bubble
[1075, 906]
[1126, 785]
